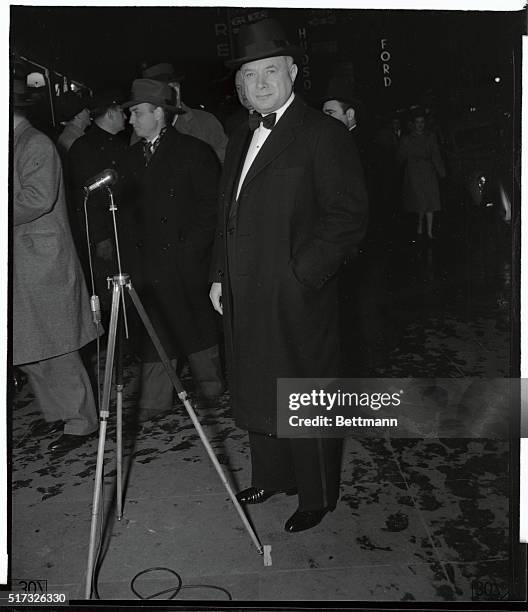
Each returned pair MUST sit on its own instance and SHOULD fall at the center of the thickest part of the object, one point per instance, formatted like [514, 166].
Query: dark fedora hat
[163, 72]
[21, 95]
[70, 104]
[153, 92]
[265, 38]
[340, 89]
[105, 99]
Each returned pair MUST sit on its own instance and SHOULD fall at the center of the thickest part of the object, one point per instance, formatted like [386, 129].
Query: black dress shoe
[43, 428]
[68, 442]
[252, 495]
[305, 519]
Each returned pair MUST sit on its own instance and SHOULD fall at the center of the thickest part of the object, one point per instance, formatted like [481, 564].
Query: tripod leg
[182, 394]
[119, 413]
[119, 444]
[103, 419]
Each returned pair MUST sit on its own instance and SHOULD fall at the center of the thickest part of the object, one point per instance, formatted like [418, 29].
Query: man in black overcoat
[102, 147]
[175, 181]
[292, 203]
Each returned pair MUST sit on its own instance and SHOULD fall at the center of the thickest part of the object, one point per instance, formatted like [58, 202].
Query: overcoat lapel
[171, 135]
[240, 148]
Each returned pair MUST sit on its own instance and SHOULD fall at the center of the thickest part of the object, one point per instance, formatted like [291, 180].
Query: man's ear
[351, 114]
[293, 72]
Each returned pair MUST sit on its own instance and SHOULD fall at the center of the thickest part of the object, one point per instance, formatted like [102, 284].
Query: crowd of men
[248, 234]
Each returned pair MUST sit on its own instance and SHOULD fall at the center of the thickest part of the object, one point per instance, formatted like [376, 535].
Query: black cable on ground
[176, 589]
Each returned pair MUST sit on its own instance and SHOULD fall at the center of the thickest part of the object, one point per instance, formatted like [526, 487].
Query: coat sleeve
[40, 175]
[342, 204]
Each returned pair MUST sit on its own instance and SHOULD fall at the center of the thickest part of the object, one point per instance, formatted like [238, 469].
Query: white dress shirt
[259, 138]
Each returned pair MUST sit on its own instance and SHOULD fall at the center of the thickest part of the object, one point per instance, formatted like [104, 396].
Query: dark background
[448, 58]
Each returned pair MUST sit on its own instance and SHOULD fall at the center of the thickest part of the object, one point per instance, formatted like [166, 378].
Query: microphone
[103, 179]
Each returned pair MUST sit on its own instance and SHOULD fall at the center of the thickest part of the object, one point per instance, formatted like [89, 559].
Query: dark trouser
[63, 392]
[312, 465]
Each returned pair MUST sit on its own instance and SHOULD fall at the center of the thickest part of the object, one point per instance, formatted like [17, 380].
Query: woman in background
[419, 153]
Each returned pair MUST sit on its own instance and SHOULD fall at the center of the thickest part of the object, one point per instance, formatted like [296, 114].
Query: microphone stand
[118, 283]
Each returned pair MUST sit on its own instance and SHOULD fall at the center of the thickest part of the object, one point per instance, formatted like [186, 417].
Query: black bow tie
[255, 119]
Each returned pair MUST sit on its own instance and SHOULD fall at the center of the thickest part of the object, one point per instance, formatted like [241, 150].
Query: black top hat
[21, 94]
[153, 92]
[265, 38]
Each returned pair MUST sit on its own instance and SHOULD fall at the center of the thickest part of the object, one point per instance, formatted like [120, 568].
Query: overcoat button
[220, 234]
[220, 273]
[230, 230]
[164, 219]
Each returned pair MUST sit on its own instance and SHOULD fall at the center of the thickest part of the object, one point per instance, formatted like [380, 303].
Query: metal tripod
[121, 282]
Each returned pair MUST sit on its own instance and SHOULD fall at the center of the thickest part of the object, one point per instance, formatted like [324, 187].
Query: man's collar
[280, 111]
[160, 133]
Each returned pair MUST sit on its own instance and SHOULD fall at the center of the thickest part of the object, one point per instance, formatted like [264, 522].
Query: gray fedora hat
[265, 38]
[164, 72]
[153, 92]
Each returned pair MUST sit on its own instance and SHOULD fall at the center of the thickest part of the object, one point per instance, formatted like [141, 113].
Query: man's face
[419, 125]
[268, 83]
[333, 109]
[143, 120]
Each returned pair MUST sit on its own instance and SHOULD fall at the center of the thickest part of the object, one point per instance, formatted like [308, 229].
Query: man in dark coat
[75, 117]
[191, 121]
[175, 179]
[292, 203]
[102, 147]
[340, 104]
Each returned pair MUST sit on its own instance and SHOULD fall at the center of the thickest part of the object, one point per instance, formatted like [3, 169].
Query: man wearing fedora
[292, 203]
[74, 116]
[51, 306]
[103, 146]
[340, 104]
[191, 121]
[175, 181]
